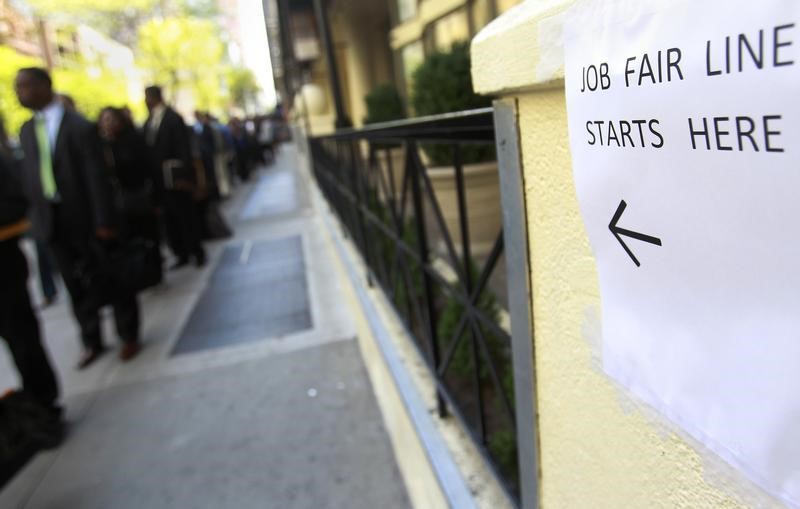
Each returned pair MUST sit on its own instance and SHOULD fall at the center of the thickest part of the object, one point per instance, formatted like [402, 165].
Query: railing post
[354, 200]
[466, 253]
[520, 297]
[414, 165]
[343, 209]
[361, 201]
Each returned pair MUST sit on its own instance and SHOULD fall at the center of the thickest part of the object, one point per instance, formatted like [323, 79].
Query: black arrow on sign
[617, 232]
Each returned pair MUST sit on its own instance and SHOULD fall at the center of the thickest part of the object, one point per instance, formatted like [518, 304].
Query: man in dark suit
[167, 137]
[72, 208]
[18, 323]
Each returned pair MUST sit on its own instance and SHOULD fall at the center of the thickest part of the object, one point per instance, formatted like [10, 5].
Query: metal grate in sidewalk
[258, 291]
[276, 193]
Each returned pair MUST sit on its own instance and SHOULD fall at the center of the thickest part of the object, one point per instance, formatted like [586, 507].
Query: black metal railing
[417, 237]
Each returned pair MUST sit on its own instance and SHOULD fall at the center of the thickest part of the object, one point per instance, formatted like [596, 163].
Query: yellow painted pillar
[598, 447]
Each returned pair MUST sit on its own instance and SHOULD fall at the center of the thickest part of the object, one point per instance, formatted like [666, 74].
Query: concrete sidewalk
[250, 391]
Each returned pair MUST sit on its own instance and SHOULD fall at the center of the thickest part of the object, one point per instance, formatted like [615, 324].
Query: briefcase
[177, 175]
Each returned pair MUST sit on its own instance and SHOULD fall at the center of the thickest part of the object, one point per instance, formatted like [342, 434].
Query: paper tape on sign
[684, 125]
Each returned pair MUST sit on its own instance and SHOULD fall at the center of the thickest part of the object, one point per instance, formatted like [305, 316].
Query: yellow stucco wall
[596, 451]
[427, 12]
[363, 54]
[598, 447]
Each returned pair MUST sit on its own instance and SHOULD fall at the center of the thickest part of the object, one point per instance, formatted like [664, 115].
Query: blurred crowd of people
[98, 198]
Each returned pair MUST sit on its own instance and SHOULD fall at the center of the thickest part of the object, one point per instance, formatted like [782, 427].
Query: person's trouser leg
[45, 264]
[126, 317]
[20, 327]
[85, 306]
[190, 224]
[201, 212]
[173, 224]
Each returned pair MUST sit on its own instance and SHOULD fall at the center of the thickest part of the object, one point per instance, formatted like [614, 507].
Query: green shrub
[502, 446]
[461, 364]
[442, 84]
[383, 105]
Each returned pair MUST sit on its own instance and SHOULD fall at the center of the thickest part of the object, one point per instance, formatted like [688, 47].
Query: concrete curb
[449, 477]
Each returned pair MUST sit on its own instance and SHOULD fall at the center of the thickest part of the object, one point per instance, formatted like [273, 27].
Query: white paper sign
[684, 123]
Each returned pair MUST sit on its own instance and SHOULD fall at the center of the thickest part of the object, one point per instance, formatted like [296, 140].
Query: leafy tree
[178, 45]
[121, 19]
[206, 9]
[118, 19]
[184, 53]
[82, 6]
[243, 87]
[91, 91]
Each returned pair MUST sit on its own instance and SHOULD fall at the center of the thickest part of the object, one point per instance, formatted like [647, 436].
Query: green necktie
[45, 159]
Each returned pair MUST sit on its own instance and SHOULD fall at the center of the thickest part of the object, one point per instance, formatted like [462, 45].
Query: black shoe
[180, 262]
[200, 259]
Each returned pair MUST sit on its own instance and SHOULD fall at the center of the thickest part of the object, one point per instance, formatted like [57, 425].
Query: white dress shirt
[52, 114]
[155, 123]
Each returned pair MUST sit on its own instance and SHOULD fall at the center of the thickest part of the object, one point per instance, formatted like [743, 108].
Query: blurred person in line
[44, 259]
[212, 224]
[266, 138]
[126, 111]
[214, 137]
[253, 151]
[124, 153]
[225, 151]
[169, 147]
[241, 146]
[47, 273]
[19, 326]
[71, 208]
[6, 150]
[206, 147]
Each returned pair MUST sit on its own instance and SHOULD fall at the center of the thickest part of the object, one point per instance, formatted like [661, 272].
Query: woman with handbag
[131, 172]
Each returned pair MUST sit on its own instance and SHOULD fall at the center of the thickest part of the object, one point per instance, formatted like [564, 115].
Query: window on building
[451, 29]
[406, 9]
[411, 57]
[304, 33]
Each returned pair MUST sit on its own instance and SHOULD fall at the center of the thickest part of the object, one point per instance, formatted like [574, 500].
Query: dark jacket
[84, 191]
[205, 141]
[127, 161]
[13, 204]
[171, 153]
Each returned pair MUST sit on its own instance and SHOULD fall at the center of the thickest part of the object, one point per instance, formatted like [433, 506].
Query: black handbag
[25, 427]
[216, 227]
[131, 265]
[135, 202]
[139, 266]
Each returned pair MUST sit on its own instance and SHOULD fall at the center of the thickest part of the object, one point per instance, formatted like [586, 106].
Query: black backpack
[25, 428]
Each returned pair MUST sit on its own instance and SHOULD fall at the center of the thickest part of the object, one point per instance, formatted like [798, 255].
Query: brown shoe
[88, 357]
[129, 350]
